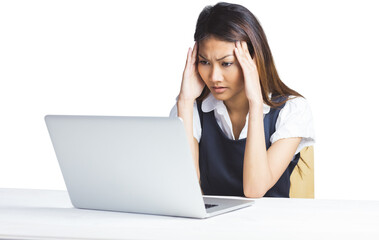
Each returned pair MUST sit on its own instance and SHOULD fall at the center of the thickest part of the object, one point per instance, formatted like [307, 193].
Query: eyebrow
[219, 58]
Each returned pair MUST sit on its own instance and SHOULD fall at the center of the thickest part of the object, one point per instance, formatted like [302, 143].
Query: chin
[221, 97]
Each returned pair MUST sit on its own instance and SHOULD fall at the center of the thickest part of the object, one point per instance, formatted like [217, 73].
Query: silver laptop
[132, 164]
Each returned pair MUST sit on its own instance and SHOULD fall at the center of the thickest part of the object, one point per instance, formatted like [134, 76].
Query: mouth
[219, 89]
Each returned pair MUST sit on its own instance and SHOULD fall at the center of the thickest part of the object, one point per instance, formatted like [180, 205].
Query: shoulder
[296, 111]
[174, 109]
[295, 103]
[196, 119]
[295, 120]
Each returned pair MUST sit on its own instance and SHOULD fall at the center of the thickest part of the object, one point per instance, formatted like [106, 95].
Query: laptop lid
[131, 164]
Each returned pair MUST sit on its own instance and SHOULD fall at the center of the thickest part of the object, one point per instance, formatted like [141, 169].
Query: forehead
[214, 46]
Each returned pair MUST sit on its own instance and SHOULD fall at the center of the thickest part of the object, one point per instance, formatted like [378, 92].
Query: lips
[219, 89]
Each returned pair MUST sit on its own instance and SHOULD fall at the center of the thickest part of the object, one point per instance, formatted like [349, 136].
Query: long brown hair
[233, 22]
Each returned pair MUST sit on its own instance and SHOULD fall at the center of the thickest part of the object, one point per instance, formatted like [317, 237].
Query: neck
[237, 106]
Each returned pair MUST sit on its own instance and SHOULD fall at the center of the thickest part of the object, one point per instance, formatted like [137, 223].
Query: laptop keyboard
[210, 206]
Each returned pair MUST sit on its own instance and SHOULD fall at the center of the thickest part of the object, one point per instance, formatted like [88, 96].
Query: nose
[216, 74]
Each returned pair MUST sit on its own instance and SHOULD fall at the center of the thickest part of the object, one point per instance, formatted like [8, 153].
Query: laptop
[132, 164]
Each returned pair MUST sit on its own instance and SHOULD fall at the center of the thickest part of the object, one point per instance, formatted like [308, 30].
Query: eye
[229, 63]
[203, 62]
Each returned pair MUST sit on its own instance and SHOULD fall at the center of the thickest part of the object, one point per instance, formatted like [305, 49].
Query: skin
[238, 74]
[227, 73]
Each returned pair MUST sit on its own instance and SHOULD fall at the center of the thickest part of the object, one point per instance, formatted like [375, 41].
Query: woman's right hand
[192, 84]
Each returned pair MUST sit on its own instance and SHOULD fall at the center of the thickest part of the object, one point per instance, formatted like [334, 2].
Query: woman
[229, 80]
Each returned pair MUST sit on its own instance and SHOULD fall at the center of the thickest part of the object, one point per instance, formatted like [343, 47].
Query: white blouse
[294, 120]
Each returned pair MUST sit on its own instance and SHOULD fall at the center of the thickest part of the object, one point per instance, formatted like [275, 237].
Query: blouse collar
[210, 103]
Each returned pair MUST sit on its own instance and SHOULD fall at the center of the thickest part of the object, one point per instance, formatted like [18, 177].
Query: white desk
[46, 214]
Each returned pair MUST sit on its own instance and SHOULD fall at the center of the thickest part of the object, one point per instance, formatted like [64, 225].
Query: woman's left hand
[250, 73]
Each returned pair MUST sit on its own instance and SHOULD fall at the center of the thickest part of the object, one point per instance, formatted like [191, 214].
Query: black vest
[221, 158]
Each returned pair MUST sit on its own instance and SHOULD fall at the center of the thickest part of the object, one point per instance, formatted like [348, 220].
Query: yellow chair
[302, 177]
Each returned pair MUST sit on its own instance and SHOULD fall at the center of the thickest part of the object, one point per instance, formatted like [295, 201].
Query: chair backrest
[302, 177]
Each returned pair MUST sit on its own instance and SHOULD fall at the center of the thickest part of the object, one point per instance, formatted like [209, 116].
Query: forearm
[185, 112]
[257, 174]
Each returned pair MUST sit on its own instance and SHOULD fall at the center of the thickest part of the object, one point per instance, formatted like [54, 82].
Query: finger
[188, 57]
[241, 50]
[244, 47]
[255, 60]
[239, 57]
[193, 56]
[237, 52]
[247, 53]
[245, 63]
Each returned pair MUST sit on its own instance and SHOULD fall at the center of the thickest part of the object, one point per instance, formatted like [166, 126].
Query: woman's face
[219, 67]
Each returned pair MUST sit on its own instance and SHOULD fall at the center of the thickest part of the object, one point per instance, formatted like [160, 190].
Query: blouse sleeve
[196, 120]
[295, 120]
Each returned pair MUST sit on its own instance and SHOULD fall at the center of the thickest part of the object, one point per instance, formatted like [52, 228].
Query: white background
[127, 58]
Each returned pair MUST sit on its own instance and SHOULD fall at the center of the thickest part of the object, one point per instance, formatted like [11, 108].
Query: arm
[191, 88]
[262, 169]
[185, 112]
